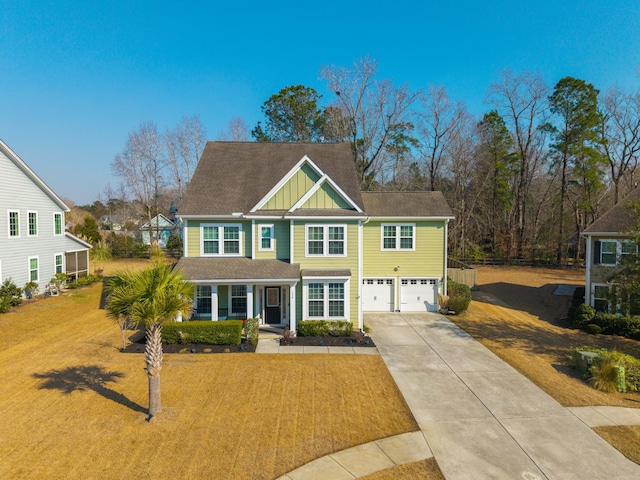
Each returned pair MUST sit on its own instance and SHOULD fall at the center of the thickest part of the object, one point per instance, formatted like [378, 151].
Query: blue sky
[77, 76]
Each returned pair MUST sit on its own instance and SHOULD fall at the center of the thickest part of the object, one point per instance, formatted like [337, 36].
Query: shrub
[459, 296]
[228, 332]
[252, 330]
[631, 366]
[593, 329]
[340, 328]
[313, 328]
[604, 376]
[582, 315]
[31, 289]
[10, 295]
[612, 324]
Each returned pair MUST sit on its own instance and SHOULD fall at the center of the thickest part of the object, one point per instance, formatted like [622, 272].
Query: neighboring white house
[33, 243]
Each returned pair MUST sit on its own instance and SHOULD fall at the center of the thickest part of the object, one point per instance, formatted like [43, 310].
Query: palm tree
[150, 297]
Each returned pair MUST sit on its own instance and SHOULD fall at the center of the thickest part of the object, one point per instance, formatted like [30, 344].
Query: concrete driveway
[481, 418]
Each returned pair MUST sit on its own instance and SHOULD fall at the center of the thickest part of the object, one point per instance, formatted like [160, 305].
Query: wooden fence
[462, 273]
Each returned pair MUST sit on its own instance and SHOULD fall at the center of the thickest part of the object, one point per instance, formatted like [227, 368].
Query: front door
[273, 312]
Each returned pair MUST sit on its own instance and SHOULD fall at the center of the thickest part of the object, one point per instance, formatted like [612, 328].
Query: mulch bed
[329, 341]
[244, 347]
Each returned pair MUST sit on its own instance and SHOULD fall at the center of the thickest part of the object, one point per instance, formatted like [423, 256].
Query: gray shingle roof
[328, 272]
[237, 268]
[232, 177]
[406, 204]
[619, 218]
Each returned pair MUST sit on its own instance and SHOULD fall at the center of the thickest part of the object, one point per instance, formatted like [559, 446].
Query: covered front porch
[240, 288]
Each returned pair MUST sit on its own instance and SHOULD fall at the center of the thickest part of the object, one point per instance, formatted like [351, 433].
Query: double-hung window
[220, 239]
[398, 237]
[608, 252]
[33, 224]
[628, 248]
[57, 224]
[59, 262]
[239, 300]
[266, 237]
[325, 299]
[33, 269]
[326, 240]
[600, 301]
[14, 223]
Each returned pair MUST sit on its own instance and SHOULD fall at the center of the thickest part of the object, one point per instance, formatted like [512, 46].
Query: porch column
[249, 301]
[293, 324]
[214, 302]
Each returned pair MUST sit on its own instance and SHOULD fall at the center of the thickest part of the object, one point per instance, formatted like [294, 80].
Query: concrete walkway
[480, 417]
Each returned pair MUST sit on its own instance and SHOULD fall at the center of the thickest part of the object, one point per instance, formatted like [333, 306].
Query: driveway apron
[481, 418]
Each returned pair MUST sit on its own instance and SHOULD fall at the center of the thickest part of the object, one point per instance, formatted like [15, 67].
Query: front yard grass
[74, 407]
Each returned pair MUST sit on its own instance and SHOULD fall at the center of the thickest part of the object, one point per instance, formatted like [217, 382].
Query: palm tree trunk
[153, 364]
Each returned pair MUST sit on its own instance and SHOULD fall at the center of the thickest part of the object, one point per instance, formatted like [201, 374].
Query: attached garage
[418, 295]
[377, 295]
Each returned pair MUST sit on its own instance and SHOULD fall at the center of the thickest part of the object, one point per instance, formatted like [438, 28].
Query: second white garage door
[377, 295]
[418, 295]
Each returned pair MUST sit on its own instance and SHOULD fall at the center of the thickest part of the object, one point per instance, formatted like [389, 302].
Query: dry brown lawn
[516, 315]
[73, 406]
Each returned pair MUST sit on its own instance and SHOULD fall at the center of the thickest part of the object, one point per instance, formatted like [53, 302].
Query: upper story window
[14, 223]
[326, 240]
[628, 248]
[220, 239]
[398, 237]
[610, 252]
[57, 224]
[266, 237]
[33, 224]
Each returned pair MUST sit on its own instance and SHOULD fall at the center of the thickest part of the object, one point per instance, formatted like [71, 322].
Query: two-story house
[33, 243]
[607, 242]
[282, 230]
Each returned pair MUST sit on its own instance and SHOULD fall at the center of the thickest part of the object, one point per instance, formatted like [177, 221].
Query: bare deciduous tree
[373, 109]
[184, 145]
[521, 99]
[236, 131]
[621, 129]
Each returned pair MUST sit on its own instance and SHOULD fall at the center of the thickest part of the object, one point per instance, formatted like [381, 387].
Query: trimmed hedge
[586, 318]
[459, 296]
[322, 328]
[252, 330]
[227, 332]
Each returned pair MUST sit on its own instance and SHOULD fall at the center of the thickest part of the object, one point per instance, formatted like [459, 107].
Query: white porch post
[249, 301]
[292, 307]
[214, 302]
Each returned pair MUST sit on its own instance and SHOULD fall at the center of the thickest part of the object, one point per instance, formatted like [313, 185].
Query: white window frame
[221, 240]
[37, 270]
[325, 240]
[232, 296]
[55, 233]
[29, 213]
[325, 281]
[628, 242]
[271, 237]
[615, 252]
[593, 295]
[398, 237]
[17, 212]
[55, 264]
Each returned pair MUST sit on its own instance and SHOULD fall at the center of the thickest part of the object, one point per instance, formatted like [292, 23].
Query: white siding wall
[19, 192]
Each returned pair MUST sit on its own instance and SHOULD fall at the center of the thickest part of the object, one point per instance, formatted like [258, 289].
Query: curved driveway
[481, 418]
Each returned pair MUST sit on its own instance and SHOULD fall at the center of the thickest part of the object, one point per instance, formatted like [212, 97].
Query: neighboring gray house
[33, 243]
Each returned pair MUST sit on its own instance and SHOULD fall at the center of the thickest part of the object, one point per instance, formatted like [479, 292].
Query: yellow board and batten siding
[194, 231]
[293, 190]
[350, 261]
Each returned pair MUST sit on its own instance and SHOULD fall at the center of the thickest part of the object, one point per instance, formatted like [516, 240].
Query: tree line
[523, 180]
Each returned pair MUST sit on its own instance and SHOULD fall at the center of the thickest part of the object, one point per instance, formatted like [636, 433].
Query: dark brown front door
[272, 311]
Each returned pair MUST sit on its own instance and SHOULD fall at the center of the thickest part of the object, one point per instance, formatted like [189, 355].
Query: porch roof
[237, 268]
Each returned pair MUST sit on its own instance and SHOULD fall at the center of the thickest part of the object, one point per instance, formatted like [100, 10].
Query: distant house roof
[406, 204]
[11, 155]
[237, 268]
[617, 219]
[233, 177]
[160, 220]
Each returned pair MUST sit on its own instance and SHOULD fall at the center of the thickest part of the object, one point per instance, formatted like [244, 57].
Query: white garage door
[377, 295]
[418, 295]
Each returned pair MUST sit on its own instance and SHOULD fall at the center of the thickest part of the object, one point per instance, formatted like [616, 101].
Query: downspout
[361, 225]
[444, 280]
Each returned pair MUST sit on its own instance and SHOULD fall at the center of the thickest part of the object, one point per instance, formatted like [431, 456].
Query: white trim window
[58, 261]
[238, 294]
[326, 299]
[627, 247]
[326, 240]
[266, 237]
[34, 270]
[33, 224]
[398, 236]
[600, 300]
[220, 240]
[57, 223]
[13, 217]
